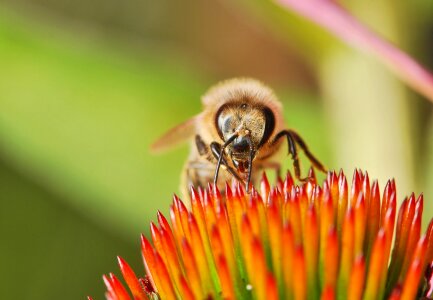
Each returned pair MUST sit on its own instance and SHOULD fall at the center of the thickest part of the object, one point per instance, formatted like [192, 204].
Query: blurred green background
[86, 86]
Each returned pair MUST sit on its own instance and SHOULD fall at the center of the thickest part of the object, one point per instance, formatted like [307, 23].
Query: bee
[237, 135]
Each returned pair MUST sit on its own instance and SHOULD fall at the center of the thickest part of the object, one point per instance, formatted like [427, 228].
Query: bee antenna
[221, 155]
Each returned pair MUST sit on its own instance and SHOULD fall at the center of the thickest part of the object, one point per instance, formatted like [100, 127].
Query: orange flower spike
[185, 290]
[331, 259]
[347, 252]
[410, 285]
[429, 251]
[176, 225]
[373, 216]
[342, 200]
[157, 241]
[271, 287]
[163, 223]
[288, 242]
[376, 268]
[246, 242]
[197, 210]
[360, 221]
[171, 259]
[225, 278]
[404, 225]
[203, 262]
[118, 288]
[328, 293]
[234, 212]
[253, 214]
[366, 189]
[299, 282]
[131, 280]
[356, 284]
[258, 275]
[275, 231]
[332, 181]
[183, 216]
[293, 215]
[191, 269]
[265, 188]
[209, 211]
[414, 237]
[166, 289]
[356, 188]
[311, 246]
[388, 193]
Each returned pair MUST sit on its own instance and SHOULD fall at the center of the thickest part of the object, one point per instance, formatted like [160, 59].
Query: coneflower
[289, 241]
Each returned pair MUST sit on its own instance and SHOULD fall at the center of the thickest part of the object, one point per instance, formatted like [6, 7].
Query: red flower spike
[328, 293]
[312, 176]
[119, 289]
[185, 290]
[280, 184]
[131, 280]
[149, 262]
[271, 288]
[288, 184]
[356, 284]
[110, 289]
[265, 187]
[226, 279]
[89, 298]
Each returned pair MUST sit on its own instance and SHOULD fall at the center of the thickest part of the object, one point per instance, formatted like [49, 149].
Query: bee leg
[316, 163]
[292, 150]
[216, 150]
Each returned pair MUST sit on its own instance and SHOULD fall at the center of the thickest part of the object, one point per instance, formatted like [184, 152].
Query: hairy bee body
[237, 135]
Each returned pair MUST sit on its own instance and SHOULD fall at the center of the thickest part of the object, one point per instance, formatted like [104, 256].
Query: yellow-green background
[86, 86]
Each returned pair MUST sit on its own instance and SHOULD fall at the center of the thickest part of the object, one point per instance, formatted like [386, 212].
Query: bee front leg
[216, 150]
[212, 154]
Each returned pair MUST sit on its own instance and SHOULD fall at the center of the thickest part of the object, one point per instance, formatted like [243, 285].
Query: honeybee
[237, 135]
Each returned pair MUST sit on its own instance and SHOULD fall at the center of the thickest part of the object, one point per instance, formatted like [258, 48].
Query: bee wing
[181, 133]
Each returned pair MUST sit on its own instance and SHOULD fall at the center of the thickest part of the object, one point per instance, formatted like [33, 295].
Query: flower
[286, 242]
